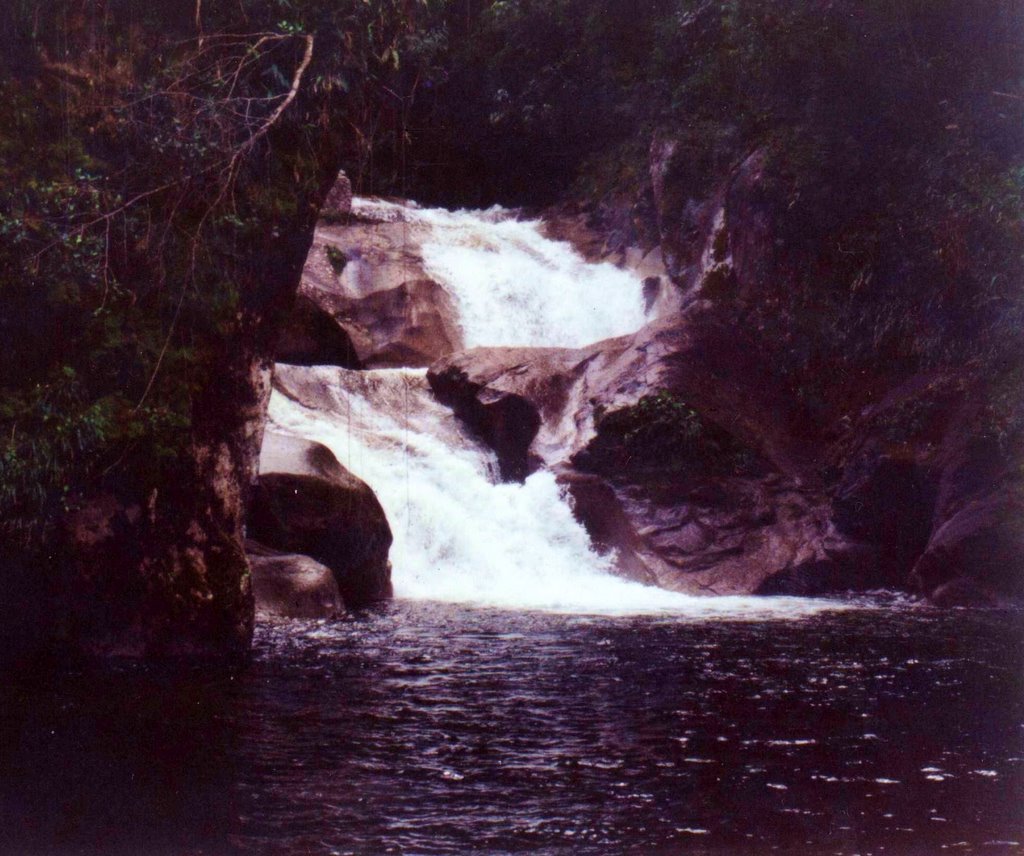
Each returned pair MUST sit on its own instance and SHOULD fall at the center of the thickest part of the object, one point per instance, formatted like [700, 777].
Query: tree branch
[262, 131]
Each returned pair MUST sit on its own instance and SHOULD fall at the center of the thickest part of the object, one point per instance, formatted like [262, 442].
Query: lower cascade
[460, 534]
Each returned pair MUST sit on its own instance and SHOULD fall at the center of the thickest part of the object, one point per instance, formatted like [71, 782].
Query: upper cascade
[512, 285]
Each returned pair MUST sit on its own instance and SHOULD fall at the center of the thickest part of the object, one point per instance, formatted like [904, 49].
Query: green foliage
[663, 433]
[893, 136]
[146, 175]
[145, 180]
[656, 423]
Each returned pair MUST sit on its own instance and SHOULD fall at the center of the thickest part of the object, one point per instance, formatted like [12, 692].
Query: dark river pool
[431, 729]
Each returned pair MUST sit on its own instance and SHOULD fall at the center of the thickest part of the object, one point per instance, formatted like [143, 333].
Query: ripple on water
[432, 729]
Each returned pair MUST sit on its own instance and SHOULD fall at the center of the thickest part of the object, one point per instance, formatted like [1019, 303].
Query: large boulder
[546, 399]
[502, 400]
[977, 530]
[886, 502]
[703, 532]
[290, 585]
[364, 256]
[412, 324]
[921, 480]
[366, 300]
[306, 502]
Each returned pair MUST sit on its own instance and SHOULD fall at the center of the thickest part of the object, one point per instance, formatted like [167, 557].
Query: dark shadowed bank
[163, 171]
[833, 191]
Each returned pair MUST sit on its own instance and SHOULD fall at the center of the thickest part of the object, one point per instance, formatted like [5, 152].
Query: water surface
[429, 728]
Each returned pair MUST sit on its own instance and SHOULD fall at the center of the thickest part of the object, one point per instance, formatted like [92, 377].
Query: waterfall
[511, 285]
[460, 534]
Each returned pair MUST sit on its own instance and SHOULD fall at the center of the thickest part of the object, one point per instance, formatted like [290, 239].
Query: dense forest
[163, 166]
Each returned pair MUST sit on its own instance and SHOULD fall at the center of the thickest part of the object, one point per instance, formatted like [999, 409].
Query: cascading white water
[511, 285]
[460, 534]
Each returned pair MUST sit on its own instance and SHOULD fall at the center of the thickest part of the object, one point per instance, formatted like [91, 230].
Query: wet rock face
[700, 529]
[715, 222]
[704, 513]
[410, 325]
[963, 591]
[504, 419]
[620, 233]
[687, 197]
[911, 500]
[695, 358]
[707, 534]
[305, 502]
[888, 503]
[366, 302]
[730, 535]
[598, 508]
[935, 497]
[977, 553]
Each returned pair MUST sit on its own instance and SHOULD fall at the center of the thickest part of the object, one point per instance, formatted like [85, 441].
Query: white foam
[511, 284]
[460, 535]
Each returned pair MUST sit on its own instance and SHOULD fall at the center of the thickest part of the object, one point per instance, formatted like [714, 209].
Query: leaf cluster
[153, 161]
[664, 434]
